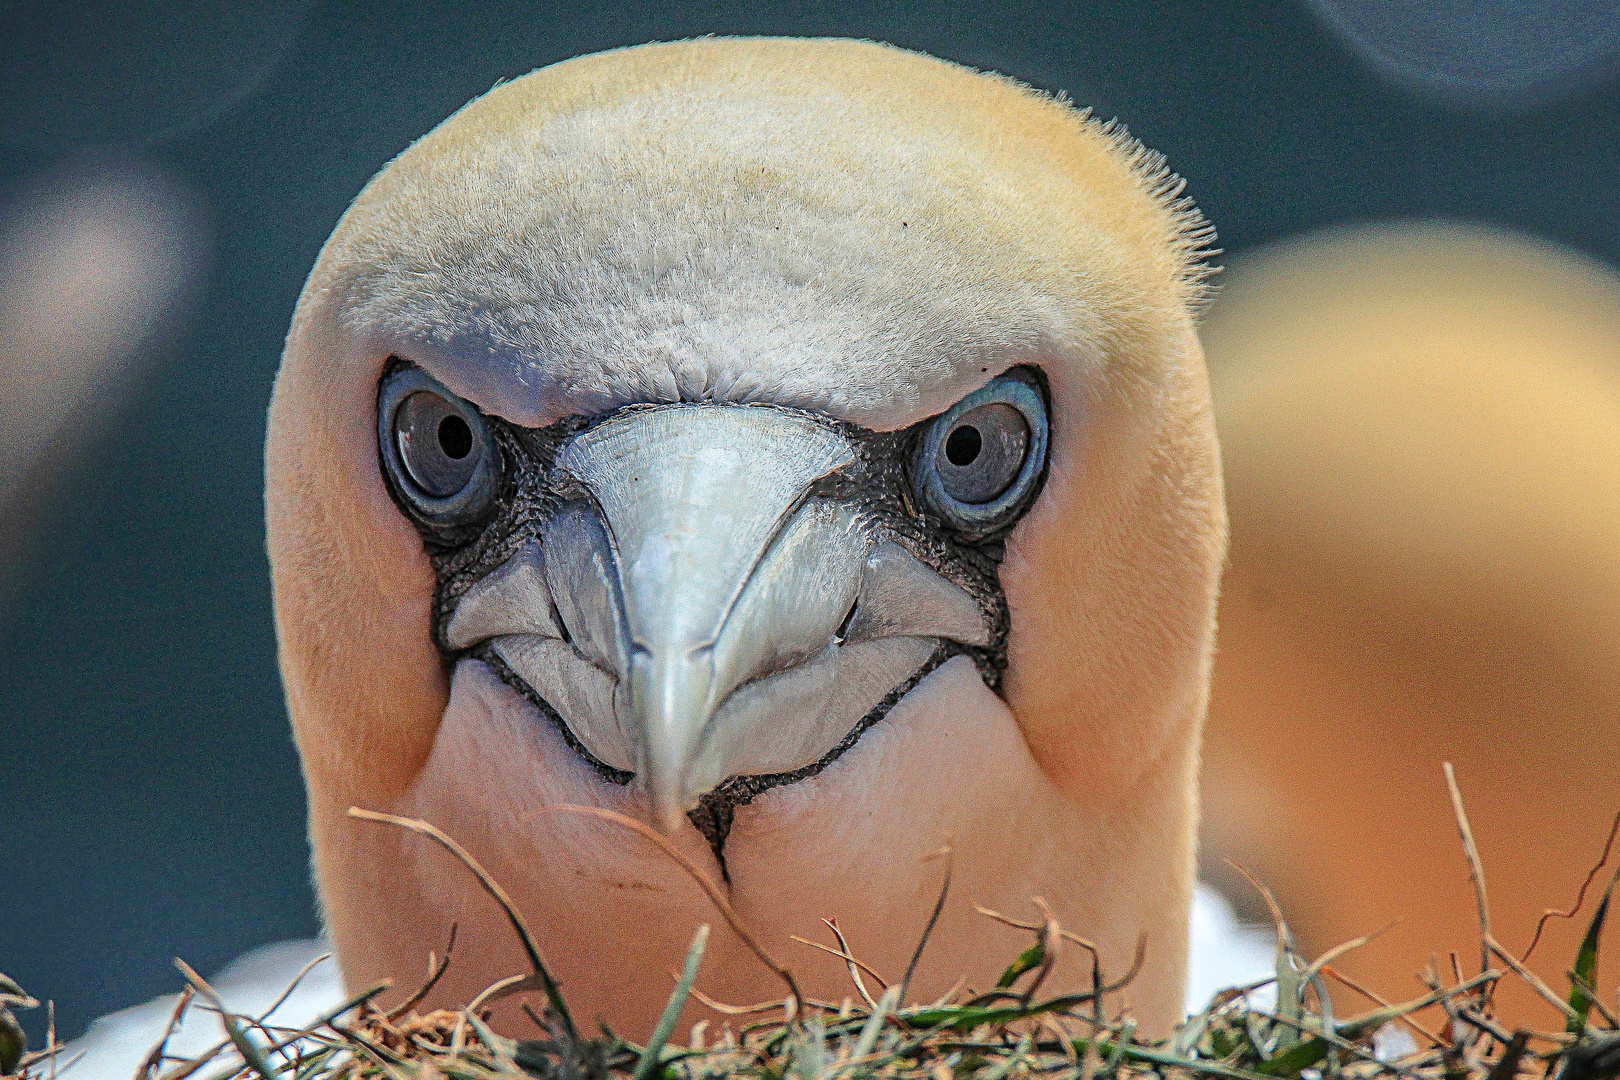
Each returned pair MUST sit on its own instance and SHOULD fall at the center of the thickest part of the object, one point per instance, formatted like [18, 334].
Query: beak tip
[667, 806]
[669, 819]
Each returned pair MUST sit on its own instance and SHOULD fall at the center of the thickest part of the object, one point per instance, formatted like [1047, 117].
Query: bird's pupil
[963, 445]
[455, 437]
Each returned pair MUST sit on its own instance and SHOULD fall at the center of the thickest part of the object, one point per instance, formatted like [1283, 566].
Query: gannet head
[801, 445]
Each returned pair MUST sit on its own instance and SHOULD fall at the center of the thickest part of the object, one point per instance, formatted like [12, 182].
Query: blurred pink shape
[94, 265]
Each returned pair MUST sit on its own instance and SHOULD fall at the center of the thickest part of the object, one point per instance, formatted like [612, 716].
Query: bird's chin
[601, 901]
[773, 731]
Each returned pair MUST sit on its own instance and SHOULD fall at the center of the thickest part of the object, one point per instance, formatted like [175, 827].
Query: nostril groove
[843, 627]
[562, 627]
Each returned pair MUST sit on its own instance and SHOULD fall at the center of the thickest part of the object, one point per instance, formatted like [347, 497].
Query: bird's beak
[723, 569]
[699, 607]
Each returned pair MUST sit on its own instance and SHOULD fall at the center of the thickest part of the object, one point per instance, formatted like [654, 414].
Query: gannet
[802, 446]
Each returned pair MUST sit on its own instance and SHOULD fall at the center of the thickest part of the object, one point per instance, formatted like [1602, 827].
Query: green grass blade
[1586, 966]
[1290, 996]
[999, 1071]
[1301, 1055]
[1028, 960]
[672, 1011]
[12, 1042]
[251, 1052]
[874, 1023]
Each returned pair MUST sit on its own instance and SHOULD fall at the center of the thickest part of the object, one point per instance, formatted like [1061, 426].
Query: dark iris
[983, 453]
[438, 454]
[435, 444]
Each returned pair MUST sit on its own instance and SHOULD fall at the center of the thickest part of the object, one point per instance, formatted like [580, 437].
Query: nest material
[1007, 1033]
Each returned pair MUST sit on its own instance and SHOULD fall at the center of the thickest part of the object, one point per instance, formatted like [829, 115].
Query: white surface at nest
[1224, 953]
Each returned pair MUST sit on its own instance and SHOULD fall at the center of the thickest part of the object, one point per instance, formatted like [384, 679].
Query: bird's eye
[980, 463]
[436, 448]
[435, 444]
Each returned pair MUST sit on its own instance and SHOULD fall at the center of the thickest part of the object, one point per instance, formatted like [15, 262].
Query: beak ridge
[693, 498]
[695, 610]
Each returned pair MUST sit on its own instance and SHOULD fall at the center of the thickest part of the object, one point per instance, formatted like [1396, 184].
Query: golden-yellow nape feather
[838, 227]
[1421, 427]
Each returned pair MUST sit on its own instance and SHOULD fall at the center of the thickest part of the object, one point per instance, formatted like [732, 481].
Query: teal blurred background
[168, 174]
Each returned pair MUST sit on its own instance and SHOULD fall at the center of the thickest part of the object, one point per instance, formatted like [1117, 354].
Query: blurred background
[1416, 359]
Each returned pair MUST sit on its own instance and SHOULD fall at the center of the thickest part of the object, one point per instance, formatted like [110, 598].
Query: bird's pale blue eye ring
[980, 463]
[436, 448]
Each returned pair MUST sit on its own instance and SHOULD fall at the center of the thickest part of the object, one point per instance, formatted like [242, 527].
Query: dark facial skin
[529, 488]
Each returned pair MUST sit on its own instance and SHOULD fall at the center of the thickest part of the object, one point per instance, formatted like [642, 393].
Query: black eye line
[527, 483]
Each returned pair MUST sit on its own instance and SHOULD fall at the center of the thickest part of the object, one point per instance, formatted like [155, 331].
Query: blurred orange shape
[1421, 432]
